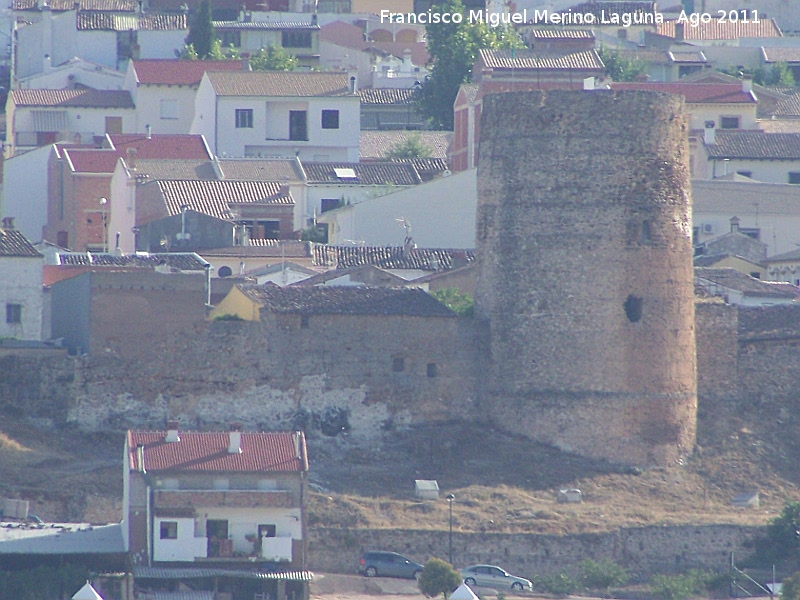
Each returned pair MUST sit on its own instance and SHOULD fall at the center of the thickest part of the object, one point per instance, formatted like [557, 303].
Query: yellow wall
[236, 303]
[743, 266]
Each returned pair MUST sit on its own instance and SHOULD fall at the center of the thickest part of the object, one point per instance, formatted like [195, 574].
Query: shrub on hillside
[438, 577]
[680, 587]
[561, 585]
[601, 575]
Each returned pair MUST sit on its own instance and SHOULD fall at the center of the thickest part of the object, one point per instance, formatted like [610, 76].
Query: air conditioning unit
[707, 228]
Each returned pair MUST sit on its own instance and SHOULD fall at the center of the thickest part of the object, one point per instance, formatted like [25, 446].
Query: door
[216, 533]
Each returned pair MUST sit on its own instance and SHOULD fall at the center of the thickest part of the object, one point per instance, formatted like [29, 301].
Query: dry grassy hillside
[501, 482]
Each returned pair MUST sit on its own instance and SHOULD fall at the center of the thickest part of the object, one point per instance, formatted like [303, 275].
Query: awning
[49, 120]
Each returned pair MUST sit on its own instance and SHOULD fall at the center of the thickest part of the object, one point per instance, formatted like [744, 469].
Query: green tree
[438, 577]
[273, 58]
[460, 303]
[783, 535]
[453, 48]
[680, 587]
[201, 32]
[601, 575]
[621, 68]
[411, 147]
[780, 74]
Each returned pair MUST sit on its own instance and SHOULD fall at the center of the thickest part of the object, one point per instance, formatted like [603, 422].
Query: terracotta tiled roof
[787, 55]
[790, 107]
[754, 145]
[390, 257]
[749, 286]
[561, 34]
[375, 144]
[783, 125]
[63, 5]
[540, 60]
[183, 261]
[610, 7]
[791, 255]
[722, 30]
[87, 98]
[279, 83]
[344, 300]
[98, 21]
[266, 248]
[425, 165]
[214, 198]
[688, 57]
[164, 145]
[393, 96]
[695, 93]
[13, 243]
[208, 452]
[179, 72]
[261, 169]
[91, 161]
[375, 173]
[266, 25]
[175, 169]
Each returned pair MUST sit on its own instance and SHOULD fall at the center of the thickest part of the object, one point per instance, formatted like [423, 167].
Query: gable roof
[787, 55]
[99, 21]
[790, 256]
[179, 72]
[561, 34]
[261, 169]
[82, 160]
[694, 93]
[214, 198]
[789, 107]
[370, 173]
[709, 260]
[387, 96]
[754, 145]
[375, 143]
[390, 257]
[203, 452]
[266, 25]
[164, 145]
[83, 98]
[540, 59]
[163, 168]
[183, 261]
[747, 285]
[13, 243]
[278, 83]
[722, 30]
[338, 300]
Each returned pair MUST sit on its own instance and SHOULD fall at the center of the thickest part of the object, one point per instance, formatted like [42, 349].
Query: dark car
[388, 564]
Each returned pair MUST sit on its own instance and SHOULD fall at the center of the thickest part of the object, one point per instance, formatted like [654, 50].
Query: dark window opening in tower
[633, 308]
[647, 237]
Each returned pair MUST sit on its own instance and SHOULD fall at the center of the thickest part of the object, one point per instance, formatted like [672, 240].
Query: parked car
[388, 564]
[494, 577]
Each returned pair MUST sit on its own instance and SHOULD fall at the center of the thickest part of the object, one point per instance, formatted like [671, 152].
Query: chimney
[172, 432]
[747, 83]
[246, 62]
[8, 222]
[296, 440]
[235, 443]
[679, 32]
[735, 224]
[140, 458]
[149, 131]
[353, 85]
[709, 133]
[130, 158]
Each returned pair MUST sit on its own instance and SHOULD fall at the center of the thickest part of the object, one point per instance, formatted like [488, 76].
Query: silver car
[494, 577]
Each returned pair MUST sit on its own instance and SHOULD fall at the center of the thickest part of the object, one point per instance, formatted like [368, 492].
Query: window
[169, 109]
[230, 38]
[647, 235]
[745, 173]
[432, 370]
[169, 530]
[13, 313]
[298, 127]
[62, 239]
[330, 204]
[296, 39]
[330, 119]
[244, 118]
[794, 177]
[113, 124]
[729, 122]
[398, 364]
[304, 321]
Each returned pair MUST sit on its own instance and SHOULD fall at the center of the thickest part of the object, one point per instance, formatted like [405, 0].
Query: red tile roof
[695, 93]
[91, 161]
[97, 21]
[13, 243]
[87, 98]
[208, 452]
[165, 145]
[279, 83]
[540, 60]
[722, 30]
[179, 72]
[214, 198]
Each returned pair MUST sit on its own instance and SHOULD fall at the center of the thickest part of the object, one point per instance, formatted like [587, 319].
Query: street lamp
[450, 499]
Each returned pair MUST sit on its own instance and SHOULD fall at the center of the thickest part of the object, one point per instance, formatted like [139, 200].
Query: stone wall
[643, 551]
[717, 331]
[585, 273]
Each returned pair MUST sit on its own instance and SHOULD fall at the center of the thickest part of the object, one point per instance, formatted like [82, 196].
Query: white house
[74, 73]
[759, 155]
[315, 116]
[25, 197]
[21, 268]
[164, 91]
[440, 214]
[742, 289]
[213, 498]
[39, 117]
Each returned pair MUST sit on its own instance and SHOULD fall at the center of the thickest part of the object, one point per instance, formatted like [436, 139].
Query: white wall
[186, 547]
[122, 202]
[22, 284]
[441, 212]
[161, 44]
[25, 197]
[149, 108]
[81, 72]
[245, 521]
[767, 171]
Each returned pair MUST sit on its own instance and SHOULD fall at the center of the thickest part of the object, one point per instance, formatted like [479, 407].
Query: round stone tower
[585, 276]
